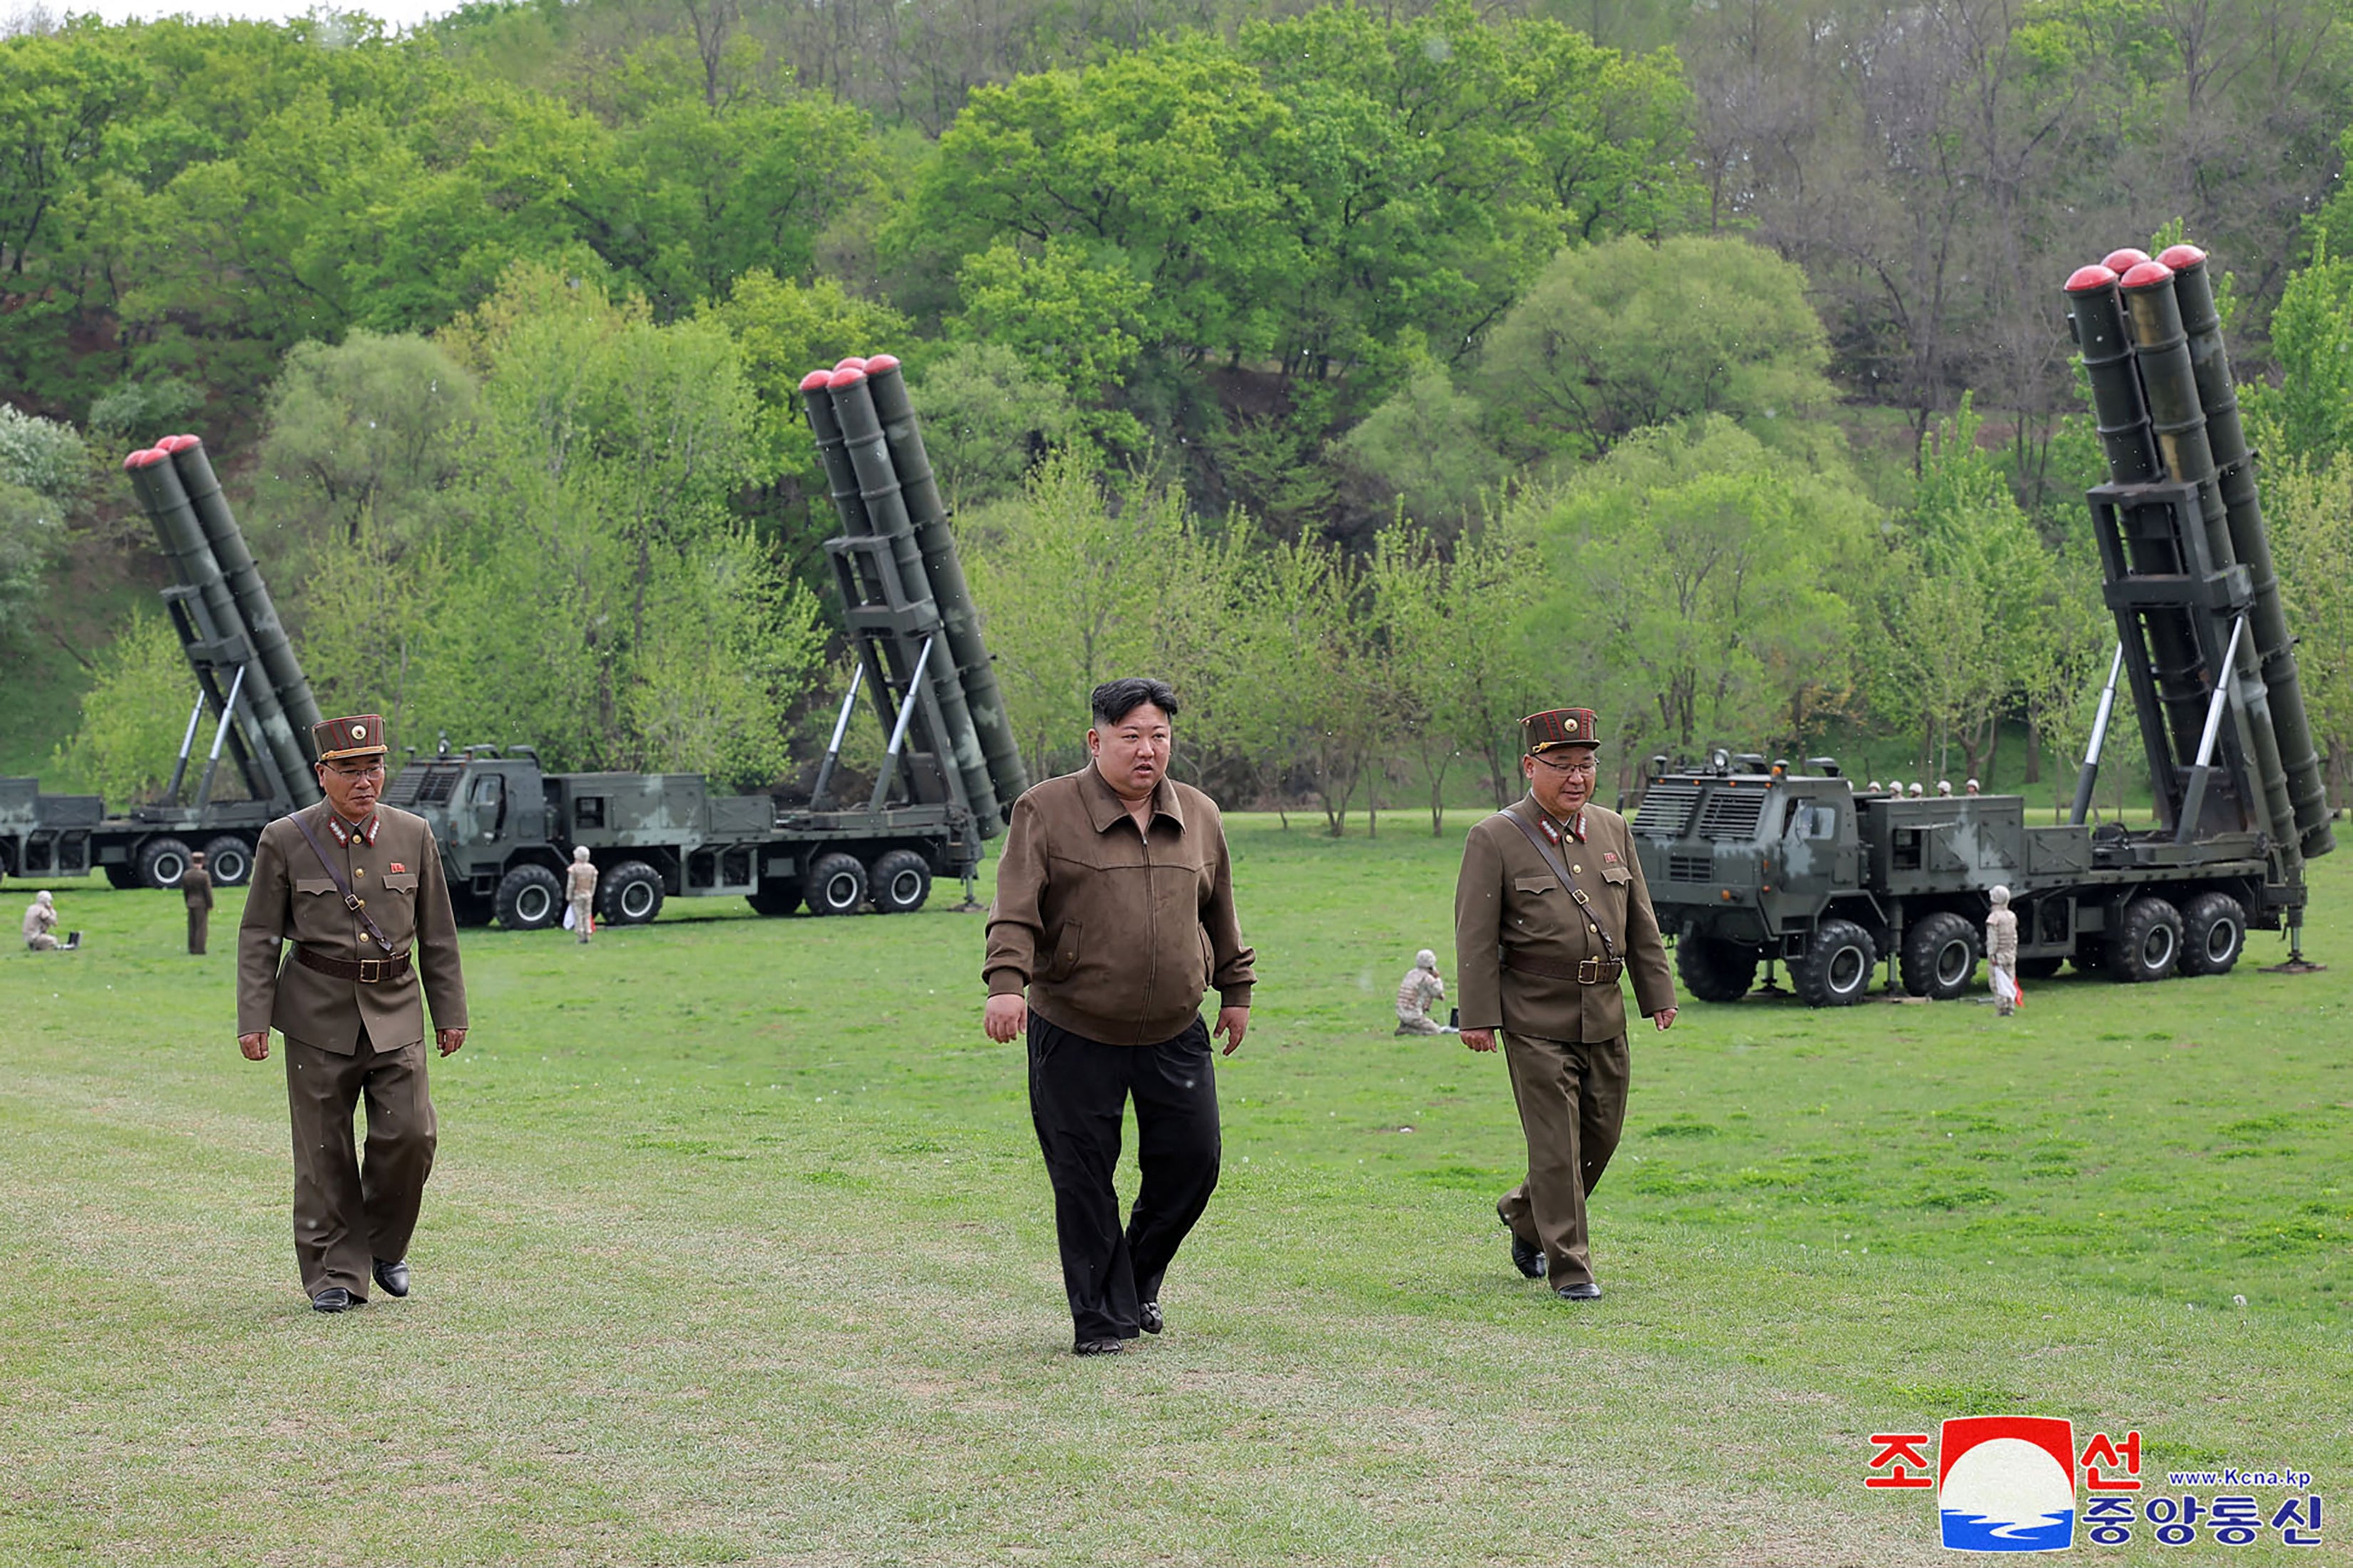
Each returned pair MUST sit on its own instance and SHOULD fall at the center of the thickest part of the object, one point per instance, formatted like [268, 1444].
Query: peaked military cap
[360, 735]
[1540, 732]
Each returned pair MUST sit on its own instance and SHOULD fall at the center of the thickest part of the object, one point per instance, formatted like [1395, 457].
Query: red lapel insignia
[398, 866]
[1608, 857]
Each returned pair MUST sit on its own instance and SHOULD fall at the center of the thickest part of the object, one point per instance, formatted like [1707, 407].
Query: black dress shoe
[1148, 1315]
[1098, 1347]
[392, 1277]
[1584, 1291]
[333, 1298]
[1528, 1259]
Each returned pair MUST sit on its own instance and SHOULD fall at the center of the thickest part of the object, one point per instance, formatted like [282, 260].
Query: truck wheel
[229, 860]
[2039, 968]
[122, 876]
[470, 909]
[1715, 970]
[530, 898]
[1940, 954]
[2091, 955]
[775, 897]
[1836, 971]
[2213, 934]
[2147, 945]
[630, 894]
[901, 880]
[836, 885]
[162, 863]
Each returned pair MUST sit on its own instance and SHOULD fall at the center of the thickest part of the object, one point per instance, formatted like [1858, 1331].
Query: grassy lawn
[740, 1249]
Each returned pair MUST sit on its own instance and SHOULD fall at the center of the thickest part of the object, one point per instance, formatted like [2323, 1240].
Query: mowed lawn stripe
[668, 1312]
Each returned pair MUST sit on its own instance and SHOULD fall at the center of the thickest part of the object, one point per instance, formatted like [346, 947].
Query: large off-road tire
[2213, 934]
[1940, 956]
[229, 860]
[2146, 945]
[900, 883]
[2039, 968]
[125, 876]
[836, 885]
[779, 897]
[2091, 955]
[530, 898]
[1836, 970]
[1715, 970]
[630, 894]
[162, 863]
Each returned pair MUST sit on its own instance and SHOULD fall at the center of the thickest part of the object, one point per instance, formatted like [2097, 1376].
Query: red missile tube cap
[2182, 258]
[850, 376]
[2124, 261]
[853, 363]
[2084, 280]
[177, 443]
[816, 380]
[882, 364]
[145, 457]
[2148, 274]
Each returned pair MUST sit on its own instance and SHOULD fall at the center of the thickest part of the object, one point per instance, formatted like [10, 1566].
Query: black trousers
[1078, 1090]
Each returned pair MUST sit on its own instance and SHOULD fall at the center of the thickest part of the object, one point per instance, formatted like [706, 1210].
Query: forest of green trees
[1375, 374]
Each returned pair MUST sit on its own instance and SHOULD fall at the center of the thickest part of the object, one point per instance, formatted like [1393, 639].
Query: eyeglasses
[1587, 769]
[372, 770]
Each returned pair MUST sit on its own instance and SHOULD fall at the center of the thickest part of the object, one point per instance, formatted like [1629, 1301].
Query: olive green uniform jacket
[398, 879]
[1511, 909]
[1116, 934]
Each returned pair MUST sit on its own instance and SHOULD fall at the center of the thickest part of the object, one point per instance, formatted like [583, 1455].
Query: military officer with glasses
[1550, 913]
[356, 887]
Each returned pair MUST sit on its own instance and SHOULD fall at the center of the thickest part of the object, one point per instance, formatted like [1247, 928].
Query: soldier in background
[1549, 911]
[1914, 791]
[41, 925]
[1421, 989]
[580, 887]
[1971, 786]
[196, 890]
[1944, 789]
[2001, 951]
[1877, 787]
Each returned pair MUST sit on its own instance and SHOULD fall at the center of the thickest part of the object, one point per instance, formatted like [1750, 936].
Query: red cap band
[2084, 279]
[2148, 274]
[2182, 258]
[882, 364]
[849, 376]
[816, 379]
[2124, 261]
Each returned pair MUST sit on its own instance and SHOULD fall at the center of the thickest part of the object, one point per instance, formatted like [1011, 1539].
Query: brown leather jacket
[1116, 934]
[1519, 938]
[399, 879]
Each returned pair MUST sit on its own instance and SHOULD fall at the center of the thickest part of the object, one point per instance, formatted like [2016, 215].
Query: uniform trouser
[1572, 1098]
[581, 919]
[199, 918]
[1077, 1089]
[347, 1214]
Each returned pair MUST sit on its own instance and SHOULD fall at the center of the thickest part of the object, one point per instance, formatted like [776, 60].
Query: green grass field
[740, 1250]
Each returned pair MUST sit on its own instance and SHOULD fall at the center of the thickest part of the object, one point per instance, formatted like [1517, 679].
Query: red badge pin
[1609, 856]
[398, 866]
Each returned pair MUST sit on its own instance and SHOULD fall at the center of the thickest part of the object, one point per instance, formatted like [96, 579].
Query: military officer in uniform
[357, 887]
[1549, 912]
[196, 888]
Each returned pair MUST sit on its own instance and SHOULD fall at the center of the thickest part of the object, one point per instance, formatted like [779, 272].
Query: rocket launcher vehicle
[916, 629]
[2187, 564]
[228, 652]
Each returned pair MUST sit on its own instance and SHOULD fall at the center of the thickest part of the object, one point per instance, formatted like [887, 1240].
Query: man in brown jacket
[1550, 910]
[196, 889]
[1115, 912]
[358, 889]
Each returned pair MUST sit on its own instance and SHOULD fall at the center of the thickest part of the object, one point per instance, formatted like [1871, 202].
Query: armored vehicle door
[486, 807]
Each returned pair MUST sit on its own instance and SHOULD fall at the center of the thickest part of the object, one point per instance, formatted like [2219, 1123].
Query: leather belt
[1589, 972]
[366, 971]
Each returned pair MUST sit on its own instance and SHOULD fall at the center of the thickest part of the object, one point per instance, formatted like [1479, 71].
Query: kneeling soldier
[1551, 908]
[357, 887]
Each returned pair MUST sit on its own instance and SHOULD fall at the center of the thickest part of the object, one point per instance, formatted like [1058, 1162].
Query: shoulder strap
[1552, 859]
[343, 884]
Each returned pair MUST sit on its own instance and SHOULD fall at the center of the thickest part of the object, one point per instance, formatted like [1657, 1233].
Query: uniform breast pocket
[1535, 884]
[315, 885]
[401, 883]
[1617, 877]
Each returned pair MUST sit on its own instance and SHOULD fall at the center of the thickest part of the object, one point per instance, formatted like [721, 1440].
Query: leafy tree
[2309, 505]
[987, 420]
[123, 748]
[1623, 336]
[1426, 450]
[2309, 415]
[42, 467]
